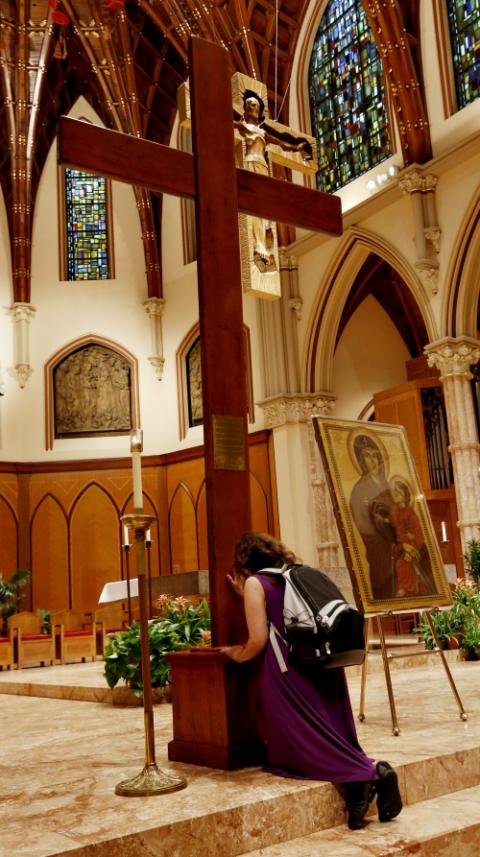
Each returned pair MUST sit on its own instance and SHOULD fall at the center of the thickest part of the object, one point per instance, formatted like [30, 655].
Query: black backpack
[320, 628]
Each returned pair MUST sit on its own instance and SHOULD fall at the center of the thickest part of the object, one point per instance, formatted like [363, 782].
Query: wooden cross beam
[220, 191]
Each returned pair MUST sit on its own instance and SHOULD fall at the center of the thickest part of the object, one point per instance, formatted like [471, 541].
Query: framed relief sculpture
[91, 389]
[387, 535]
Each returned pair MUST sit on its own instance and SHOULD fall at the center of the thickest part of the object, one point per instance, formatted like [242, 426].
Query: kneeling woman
[307, 718]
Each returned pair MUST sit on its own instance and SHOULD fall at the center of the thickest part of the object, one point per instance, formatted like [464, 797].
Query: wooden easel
[387, 656]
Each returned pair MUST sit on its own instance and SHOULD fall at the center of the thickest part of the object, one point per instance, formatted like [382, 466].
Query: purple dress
[308, 723]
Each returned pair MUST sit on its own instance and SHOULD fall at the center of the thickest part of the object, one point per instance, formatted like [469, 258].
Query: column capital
[415, 180]
[453, 356]
[22, 311]
[154, 306]
[295, 408]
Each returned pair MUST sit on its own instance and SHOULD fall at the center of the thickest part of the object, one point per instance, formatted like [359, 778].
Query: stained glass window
[347, 101]
[464, 22]
[86, 225]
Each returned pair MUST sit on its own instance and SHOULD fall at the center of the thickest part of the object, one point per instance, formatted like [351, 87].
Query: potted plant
[459, 625]
[472, 561]
[11, 595]
[181, 624]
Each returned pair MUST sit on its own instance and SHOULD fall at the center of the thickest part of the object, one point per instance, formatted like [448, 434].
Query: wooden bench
[75, 637]
[30, 645]
[6, 652]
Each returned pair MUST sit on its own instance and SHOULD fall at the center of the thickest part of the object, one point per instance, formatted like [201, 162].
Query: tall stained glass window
[87, 226]
[464, 23]
[347, 101]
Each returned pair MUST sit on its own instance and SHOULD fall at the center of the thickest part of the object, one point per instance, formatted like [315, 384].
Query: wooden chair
[108, 620]
[6, 652]
[75, 638]
[31, 645]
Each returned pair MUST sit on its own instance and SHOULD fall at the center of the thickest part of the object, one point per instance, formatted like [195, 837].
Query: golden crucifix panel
[260, 141]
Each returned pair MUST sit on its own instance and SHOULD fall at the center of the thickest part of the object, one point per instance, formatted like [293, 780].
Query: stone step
[61, 800]
[86, 682]
[446, 825]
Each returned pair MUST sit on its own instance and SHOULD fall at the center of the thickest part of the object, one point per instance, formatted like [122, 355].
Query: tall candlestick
[148, 536]
[126, 541]
[136, 446]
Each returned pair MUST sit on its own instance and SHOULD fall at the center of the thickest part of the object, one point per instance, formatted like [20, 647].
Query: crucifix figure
[209, 727]
[259, 143]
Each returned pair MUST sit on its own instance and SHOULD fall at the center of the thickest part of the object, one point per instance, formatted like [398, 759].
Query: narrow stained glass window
[347, 101]
[86, 224]
[464, 23]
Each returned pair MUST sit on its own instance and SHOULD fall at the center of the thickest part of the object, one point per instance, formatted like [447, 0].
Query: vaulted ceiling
[128, 57]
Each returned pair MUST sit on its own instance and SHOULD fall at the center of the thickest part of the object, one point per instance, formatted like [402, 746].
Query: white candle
[444, 531]
[137, 480]
[125, 537]
[148, 536]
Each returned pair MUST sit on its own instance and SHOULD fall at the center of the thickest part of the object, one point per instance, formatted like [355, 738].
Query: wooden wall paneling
[183, 530]
[49, 551]
[261, 469]
[443, 507]
[202, 538]
[9, 538]
[151, 509]
[162, 523]
[184, 479]
[402, 405]
[259, 505]
[94, 546]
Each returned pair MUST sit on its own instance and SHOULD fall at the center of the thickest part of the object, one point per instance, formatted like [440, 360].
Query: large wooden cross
[220, 191]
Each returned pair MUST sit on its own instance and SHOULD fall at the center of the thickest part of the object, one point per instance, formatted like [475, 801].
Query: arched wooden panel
[202, 527]
[94, 547]
[183, 531]
[49, 541]
[9, 539]
[259, 505]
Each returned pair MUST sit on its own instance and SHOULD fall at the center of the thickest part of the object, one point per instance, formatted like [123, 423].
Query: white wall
[68, 310]
[370, 357]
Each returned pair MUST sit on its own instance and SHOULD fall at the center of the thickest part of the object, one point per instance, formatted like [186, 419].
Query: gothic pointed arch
[189, 380]
[395, 28]
[349, 279]
[112, 408]
[462, 312]
[348, 105]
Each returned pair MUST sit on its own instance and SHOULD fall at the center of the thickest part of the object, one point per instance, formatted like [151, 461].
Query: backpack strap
[274, 633]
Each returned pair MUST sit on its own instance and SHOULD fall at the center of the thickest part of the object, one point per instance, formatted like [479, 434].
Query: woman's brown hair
[255, 551]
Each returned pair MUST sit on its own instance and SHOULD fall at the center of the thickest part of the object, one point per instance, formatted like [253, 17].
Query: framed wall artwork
[387, 535]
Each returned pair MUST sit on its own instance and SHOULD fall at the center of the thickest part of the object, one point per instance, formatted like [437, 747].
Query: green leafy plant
[11, 595]
[45, 619]
[459, 624]
[179, 625]
[472, 560]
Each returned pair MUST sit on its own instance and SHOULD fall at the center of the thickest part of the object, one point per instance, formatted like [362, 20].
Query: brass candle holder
[151, 780]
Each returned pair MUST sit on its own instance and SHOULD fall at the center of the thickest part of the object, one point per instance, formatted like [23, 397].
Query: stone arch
[460, 317]
[355, 248]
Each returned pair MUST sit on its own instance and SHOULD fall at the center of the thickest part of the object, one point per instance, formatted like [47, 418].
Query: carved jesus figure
[260, 141]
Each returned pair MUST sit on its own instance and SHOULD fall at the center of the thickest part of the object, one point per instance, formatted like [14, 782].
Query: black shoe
[359, 796]
[389, 802]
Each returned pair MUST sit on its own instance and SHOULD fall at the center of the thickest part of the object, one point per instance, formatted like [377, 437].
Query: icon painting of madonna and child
[382, 515]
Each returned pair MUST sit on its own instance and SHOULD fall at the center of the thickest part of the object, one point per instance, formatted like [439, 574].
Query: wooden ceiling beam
[168, 29]
[402, 79]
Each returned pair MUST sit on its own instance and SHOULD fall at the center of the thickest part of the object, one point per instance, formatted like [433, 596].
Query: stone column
[421, 188]
[453, 357]
[306, 517]
[154, 309]
[22, 314]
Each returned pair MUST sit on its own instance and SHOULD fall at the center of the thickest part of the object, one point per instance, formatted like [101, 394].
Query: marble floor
[62, 758]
